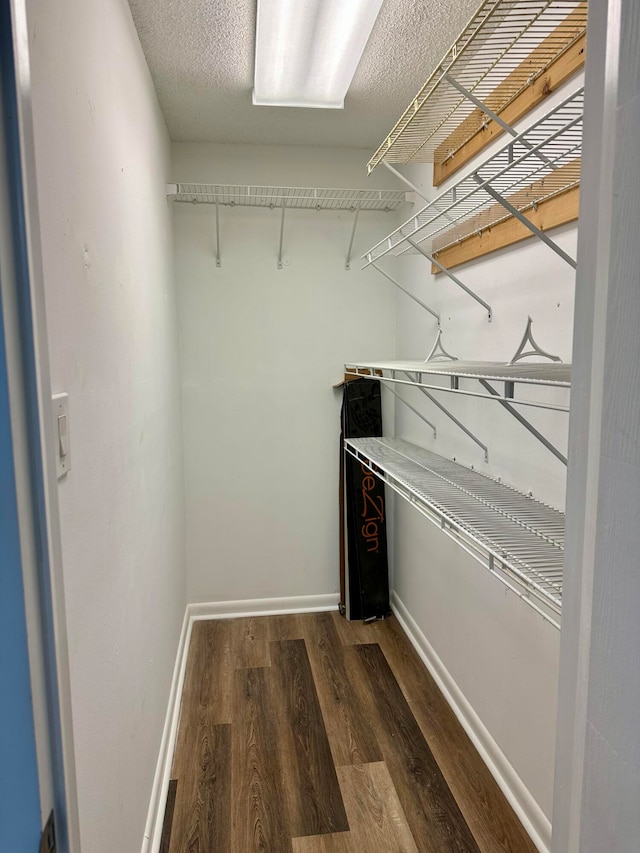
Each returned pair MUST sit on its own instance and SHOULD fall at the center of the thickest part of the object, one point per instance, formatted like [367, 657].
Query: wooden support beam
[558, 210]
[479, 131]
[349, 377]
[475, 237]
[551, 184]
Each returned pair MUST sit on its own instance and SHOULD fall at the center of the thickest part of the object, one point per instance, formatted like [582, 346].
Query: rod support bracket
[218, 259]
[280, 264]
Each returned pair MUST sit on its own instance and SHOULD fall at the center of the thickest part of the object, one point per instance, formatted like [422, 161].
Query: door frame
[29, 387]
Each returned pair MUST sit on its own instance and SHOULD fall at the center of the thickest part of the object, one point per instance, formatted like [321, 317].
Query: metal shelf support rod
[405, 180]
[480, 104]
[453, 418]
[347, 265]
[453, 277]
[404, 290]
[281, 235]
[218, 261]
[493, 116]
[525, 423]
[527, 222]
[413, 409]
[552, 407]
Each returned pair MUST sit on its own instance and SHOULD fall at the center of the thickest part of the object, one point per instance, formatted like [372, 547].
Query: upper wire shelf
[505, 47]
[541, 162]
[413, 373]
[539, 373]
[518, 539]
[308, 198]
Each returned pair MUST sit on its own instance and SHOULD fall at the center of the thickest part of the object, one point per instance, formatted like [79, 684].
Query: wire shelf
[505, 47]
[535, 373]
[518, 539]
[307, 198]
[549, 374]
[536, 165]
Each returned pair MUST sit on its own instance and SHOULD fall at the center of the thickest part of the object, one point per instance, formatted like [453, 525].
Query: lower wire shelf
[518, 539]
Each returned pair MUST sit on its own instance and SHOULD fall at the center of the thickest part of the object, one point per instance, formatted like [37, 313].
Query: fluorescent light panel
[307, 51]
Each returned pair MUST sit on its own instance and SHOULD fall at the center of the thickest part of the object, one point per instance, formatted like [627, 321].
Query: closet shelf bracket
[405, 180]
[408, 292]
[438, 352]
[536, 349]
[280, 263]
[490, 113]
[451, 416]
[478, 103]
[451, 276]
[513, 210]
[347, 265]
[525, 423]
[413, 409]
[218, 260]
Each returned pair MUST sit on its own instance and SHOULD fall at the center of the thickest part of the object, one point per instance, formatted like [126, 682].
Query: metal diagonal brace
[493, 116]
[480, 104]
[347, 265]
[430, 202]
[284, 207]
[408, 292]
[525, 423]
[413, 409]
[453, 277]
[218, 261]
[522, 218]
[405, 180]
[450, 415]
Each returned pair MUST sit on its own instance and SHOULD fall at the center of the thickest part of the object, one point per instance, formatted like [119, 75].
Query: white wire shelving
[355, 201]
[541, 162]
[505, 48]
[518, 539]
[549, 373]
[554, 375]
[305, 198]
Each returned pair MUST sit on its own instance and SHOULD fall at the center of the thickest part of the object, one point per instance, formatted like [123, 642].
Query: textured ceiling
[200, 53]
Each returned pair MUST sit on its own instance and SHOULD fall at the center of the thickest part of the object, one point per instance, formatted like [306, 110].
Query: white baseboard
[525, 806]
[264, 606]
[193, 613]
[155, 816]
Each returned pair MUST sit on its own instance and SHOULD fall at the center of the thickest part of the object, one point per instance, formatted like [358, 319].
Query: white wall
[500, 654]
[261, 348]
[102, 160]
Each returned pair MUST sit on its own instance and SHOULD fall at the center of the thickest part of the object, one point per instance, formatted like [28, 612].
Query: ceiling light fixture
[307, 51]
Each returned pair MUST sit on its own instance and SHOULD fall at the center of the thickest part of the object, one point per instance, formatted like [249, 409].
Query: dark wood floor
[311, 734]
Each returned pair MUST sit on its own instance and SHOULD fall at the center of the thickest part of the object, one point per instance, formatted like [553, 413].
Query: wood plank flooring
[311, 734]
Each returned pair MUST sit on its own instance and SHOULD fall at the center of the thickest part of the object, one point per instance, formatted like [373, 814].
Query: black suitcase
[367, 568]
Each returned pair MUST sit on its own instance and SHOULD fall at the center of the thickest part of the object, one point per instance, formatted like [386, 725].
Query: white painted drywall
[102, 160]
[261, 348]
[502, 655]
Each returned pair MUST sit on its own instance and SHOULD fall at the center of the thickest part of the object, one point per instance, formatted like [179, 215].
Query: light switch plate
[60, 407]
